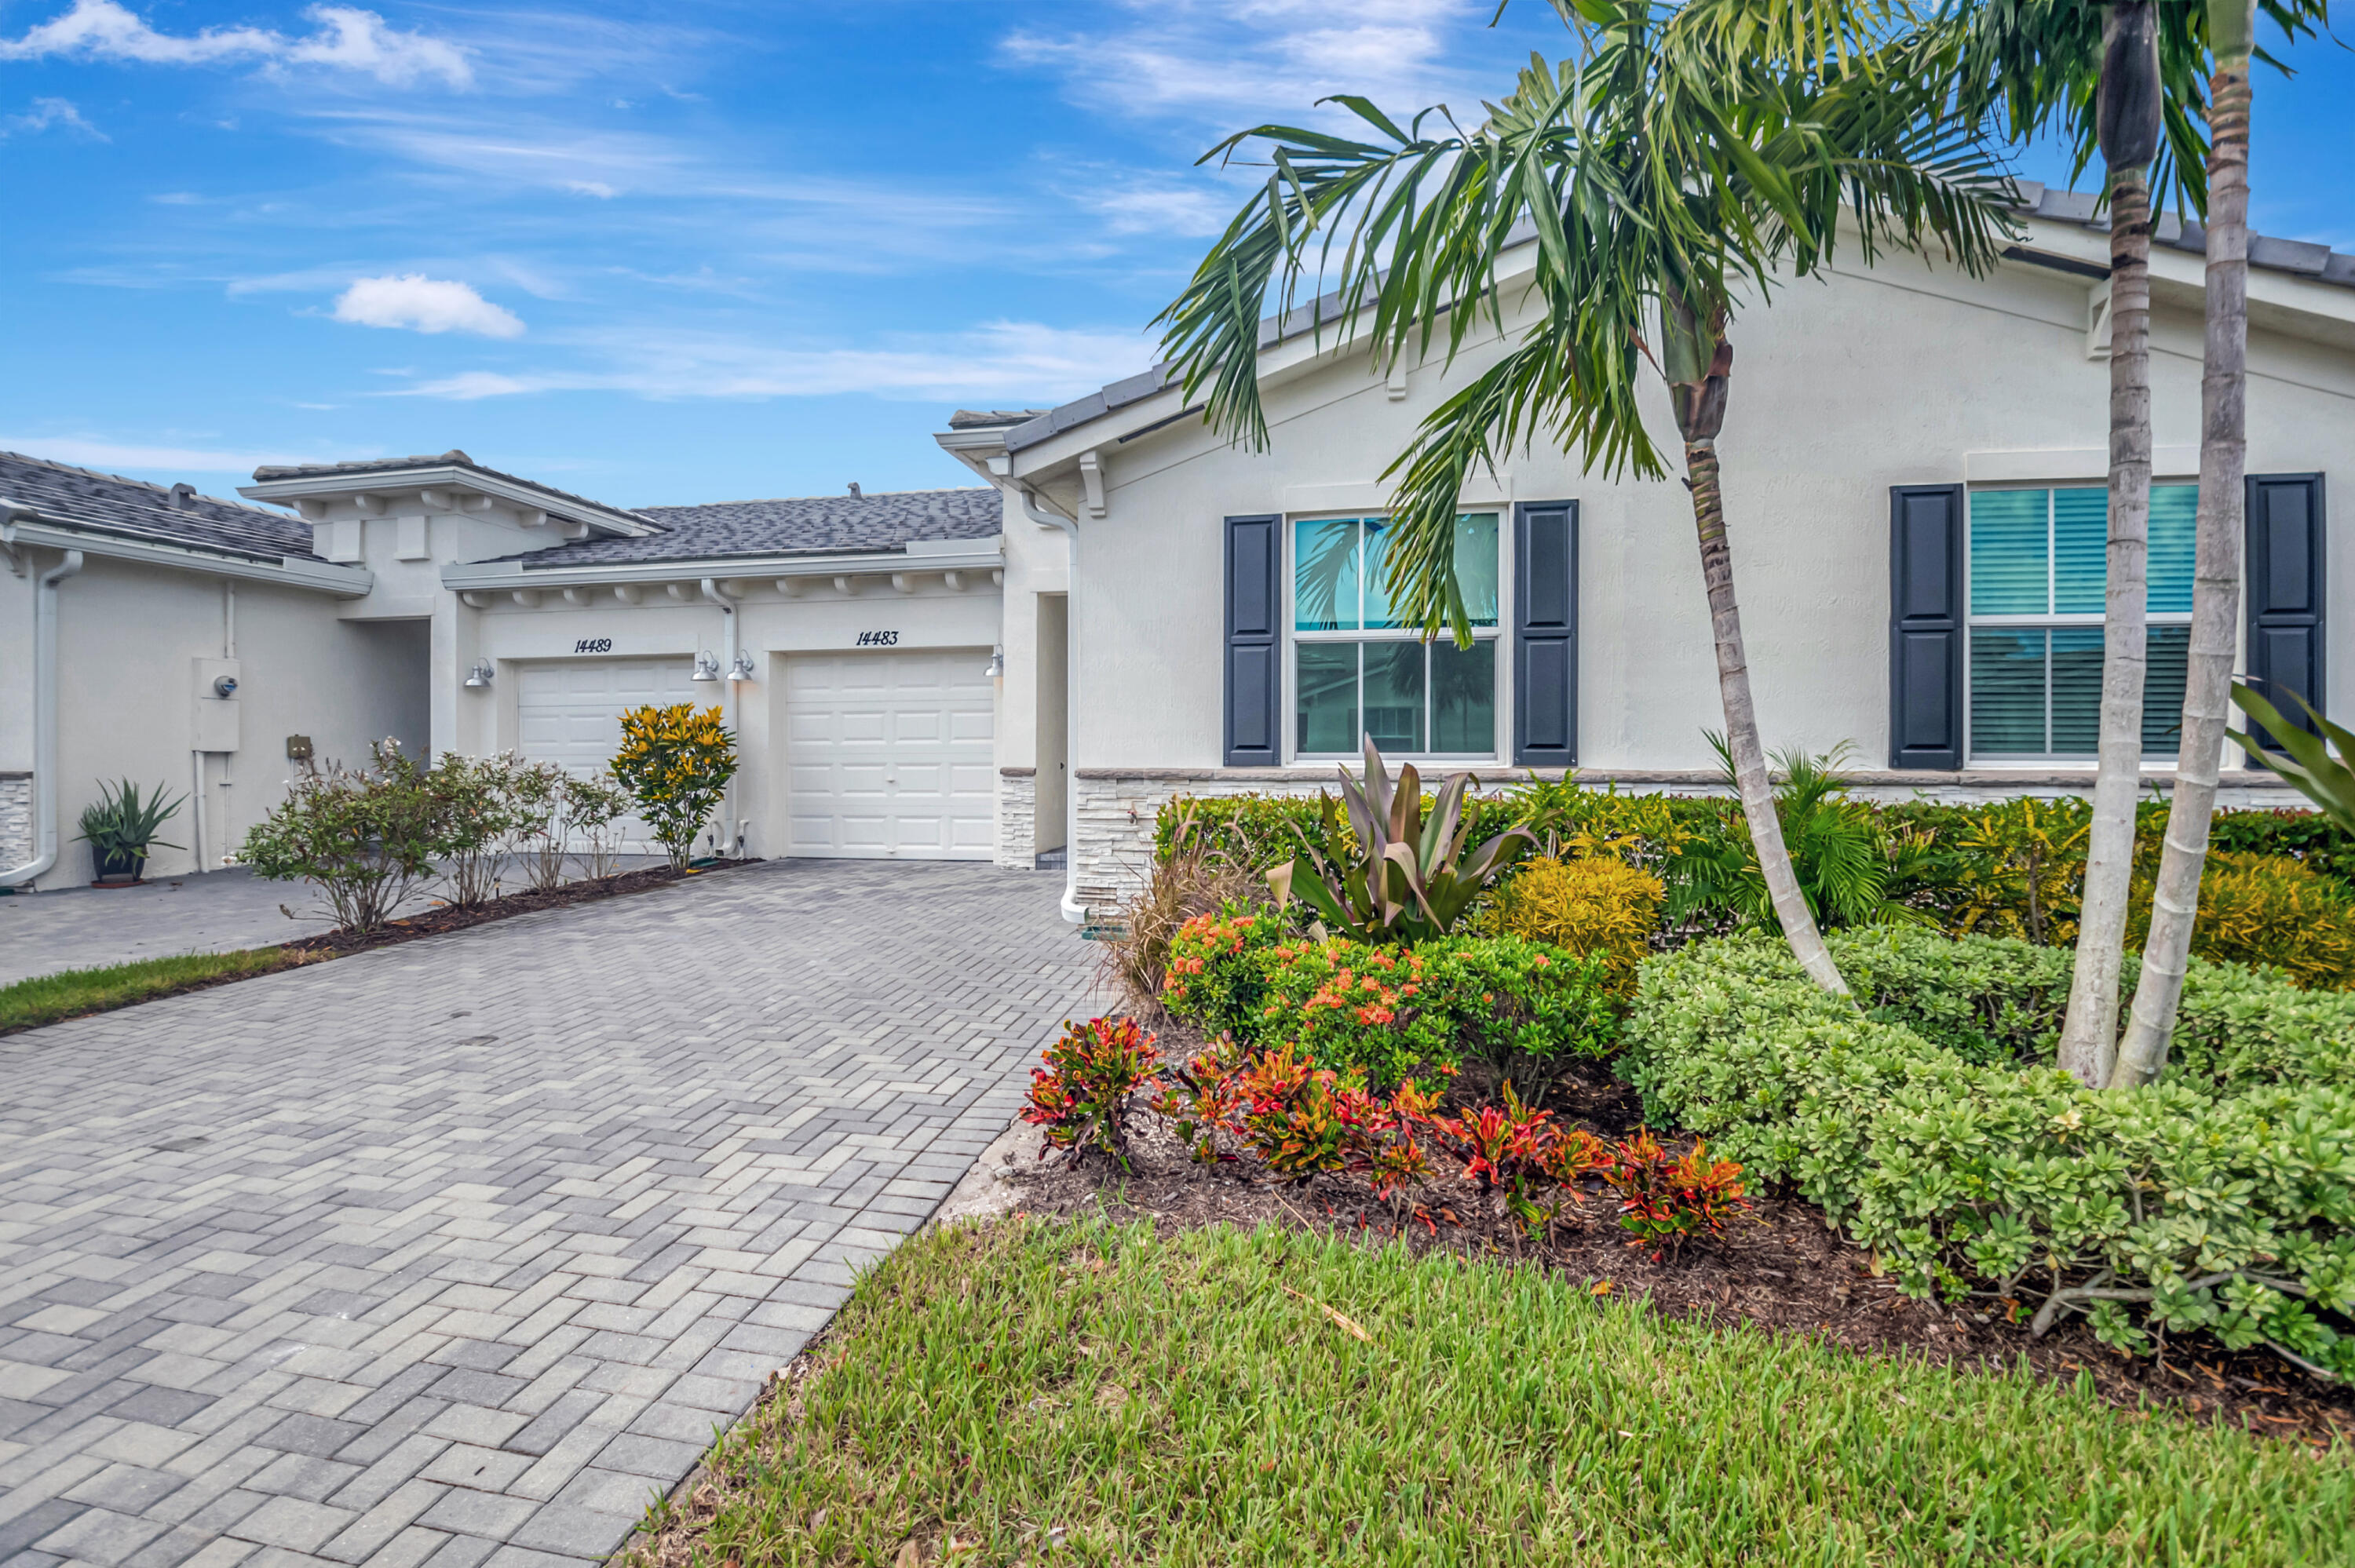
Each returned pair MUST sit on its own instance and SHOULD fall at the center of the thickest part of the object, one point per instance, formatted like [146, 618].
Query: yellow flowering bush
[675, 762]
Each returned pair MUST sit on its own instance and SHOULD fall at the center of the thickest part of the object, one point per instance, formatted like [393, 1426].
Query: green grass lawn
[1044, 1392]
[70, 994]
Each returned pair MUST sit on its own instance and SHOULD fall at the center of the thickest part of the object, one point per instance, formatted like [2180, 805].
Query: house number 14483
[878, 639]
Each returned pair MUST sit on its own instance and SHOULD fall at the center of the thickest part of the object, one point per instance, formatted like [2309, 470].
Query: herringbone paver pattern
[456, 1251]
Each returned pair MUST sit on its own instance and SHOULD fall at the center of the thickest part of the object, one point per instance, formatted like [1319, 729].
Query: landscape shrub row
[1389, 1013]
[1298, 1121]
[368, 837]
[1260, 830]
[1932, 1126]
[2275, 893]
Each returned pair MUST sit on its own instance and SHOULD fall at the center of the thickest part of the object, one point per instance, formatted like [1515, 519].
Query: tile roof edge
[273, 514]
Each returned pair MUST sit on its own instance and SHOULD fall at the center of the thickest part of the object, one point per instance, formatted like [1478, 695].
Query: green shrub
[2269, 910]
[364, 837]
[2220, 1199]
[1389, 1013]
[1596, 904]
[1212, 978]
[121, 826]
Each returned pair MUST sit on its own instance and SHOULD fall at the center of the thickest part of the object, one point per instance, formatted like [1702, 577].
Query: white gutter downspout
[44, 715]
[1073, 910]
[734, 841]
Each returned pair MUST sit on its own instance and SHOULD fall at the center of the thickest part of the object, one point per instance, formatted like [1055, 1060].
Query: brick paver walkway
[458, 1252]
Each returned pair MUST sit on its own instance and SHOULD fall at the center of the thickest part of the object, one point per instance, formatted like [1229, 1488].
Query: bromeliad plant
[1081, 1095]
[676, 762]
[1412, 877]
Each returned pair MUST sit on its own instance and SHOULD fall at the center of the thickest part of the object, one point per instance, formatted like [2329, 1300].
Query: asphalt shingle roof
[815, 525]
[454, 458]
[81, 498]
[2318, 262]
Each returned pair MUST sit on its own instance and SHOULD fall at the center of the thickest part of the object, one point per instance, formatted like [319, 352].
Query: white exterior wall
[129, 637]
[1037, 563]
[1842, 390]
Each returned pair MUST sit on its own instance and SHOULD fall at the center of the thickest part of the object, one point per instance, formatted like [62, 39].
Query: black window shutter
[1254, 643]
[1545, 634]
[1925, 626]
[2286, 592]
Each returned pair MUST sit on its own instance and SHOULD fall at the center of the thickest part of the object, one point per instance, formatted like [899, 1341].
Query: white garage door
[888, 754]
[571, 713]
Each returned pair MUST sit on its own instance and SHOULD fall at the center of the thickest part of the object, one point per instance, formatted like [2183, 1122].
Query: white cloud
[98, 453]
[49, 114]
[346, 39]
[424, 304]
[1008, 361]
[359, 40]
[1224, 59]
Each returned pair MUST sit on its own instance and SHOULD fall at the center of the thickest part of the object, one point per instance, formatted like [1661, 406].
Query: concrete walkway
[458, 1251]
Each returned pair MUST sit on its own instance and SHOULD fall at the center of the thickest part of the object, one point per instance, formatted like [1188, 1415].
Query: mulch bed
[1780, 1268]
[443, 917]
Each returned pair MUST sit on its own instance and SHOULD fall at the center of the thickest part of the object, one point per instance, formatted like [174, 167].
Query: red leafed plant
[1512, 1148]
[1666, 1203]
[1081, 1096]
[1301, 1121]
[1202, 1099]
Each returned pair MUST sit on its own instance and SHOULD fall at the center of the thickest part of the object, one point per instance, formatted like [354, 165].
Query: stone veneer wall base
[1017, 818]
[15, 819]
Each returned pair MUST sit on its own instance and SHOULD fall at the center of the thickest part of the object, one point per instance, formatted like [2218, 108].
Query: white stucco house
[1124, 607]
[1914, 463]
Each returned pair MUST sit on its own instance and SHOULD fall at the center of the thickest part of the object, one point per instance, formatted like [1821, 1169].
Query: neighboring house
[1914, 463]
[852, 641]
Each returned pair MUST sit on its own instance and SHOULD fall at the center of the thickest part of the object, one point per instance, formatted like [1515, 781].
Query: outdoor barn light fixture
[742, 669]
[995, 668]
[707, 666]
[480, 675]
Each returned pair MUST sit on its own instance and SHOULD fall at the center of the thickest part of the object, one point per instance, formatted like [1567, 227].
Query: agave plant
[1411, 878]
[2328, 782]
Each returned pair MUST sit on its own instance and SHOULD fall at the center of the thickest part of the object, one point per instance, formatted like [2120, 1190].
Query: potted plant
[121, 828]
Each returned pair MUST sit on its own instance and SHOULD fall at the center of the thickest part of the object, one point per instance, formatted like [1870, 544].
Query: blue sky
[681, 252]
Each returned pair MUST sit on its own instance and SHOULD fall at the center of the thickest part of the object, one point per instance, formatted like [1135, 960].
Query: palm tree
[1690, 154]
[2127, 117]
[2127, 86]
[2216, 571]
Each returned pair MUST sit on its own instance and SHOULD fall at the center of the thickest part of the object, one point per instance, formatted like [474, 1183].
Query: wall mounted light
[480, 675]
[742, 669]
[996, 665]
[707, 666]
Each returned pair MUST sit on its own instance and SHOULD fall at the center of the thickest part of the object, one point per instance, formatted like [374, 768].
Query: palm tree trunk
[2216, 585]
[1750, 776]
[2089, 1035]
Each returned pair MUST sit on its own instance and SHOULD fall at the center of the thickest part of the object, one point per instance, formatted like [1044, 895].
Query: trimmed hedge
[1389, 1013]
[1259, 829]
[2221, 1198]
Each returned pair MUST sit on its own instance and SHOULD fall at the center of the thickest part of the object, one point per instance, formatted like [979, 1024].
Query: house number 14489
[878, 639]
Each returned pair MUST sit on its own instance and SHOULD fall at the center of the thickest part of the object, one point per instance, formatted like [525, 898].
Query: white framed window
[1354, 671]
[2036, 569]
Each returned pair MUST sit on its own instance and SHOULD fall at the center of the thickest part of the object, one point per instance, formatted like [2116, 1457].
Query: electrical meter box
[216, 705]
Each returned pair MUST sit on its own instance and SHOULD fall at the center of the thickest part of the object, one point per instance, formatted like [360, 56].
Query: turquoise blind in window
[2174, 525]
[2044, 552]
[2081, 530]
[2010, 544]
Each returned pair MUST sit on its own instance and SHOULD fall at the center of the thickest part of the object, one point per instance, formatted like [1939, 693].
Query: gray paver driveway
[457, 1251]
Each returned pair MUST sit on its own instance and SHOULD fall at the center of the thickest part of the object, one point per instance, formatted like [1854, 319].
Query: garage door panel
[570, 713]
[892, 750]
